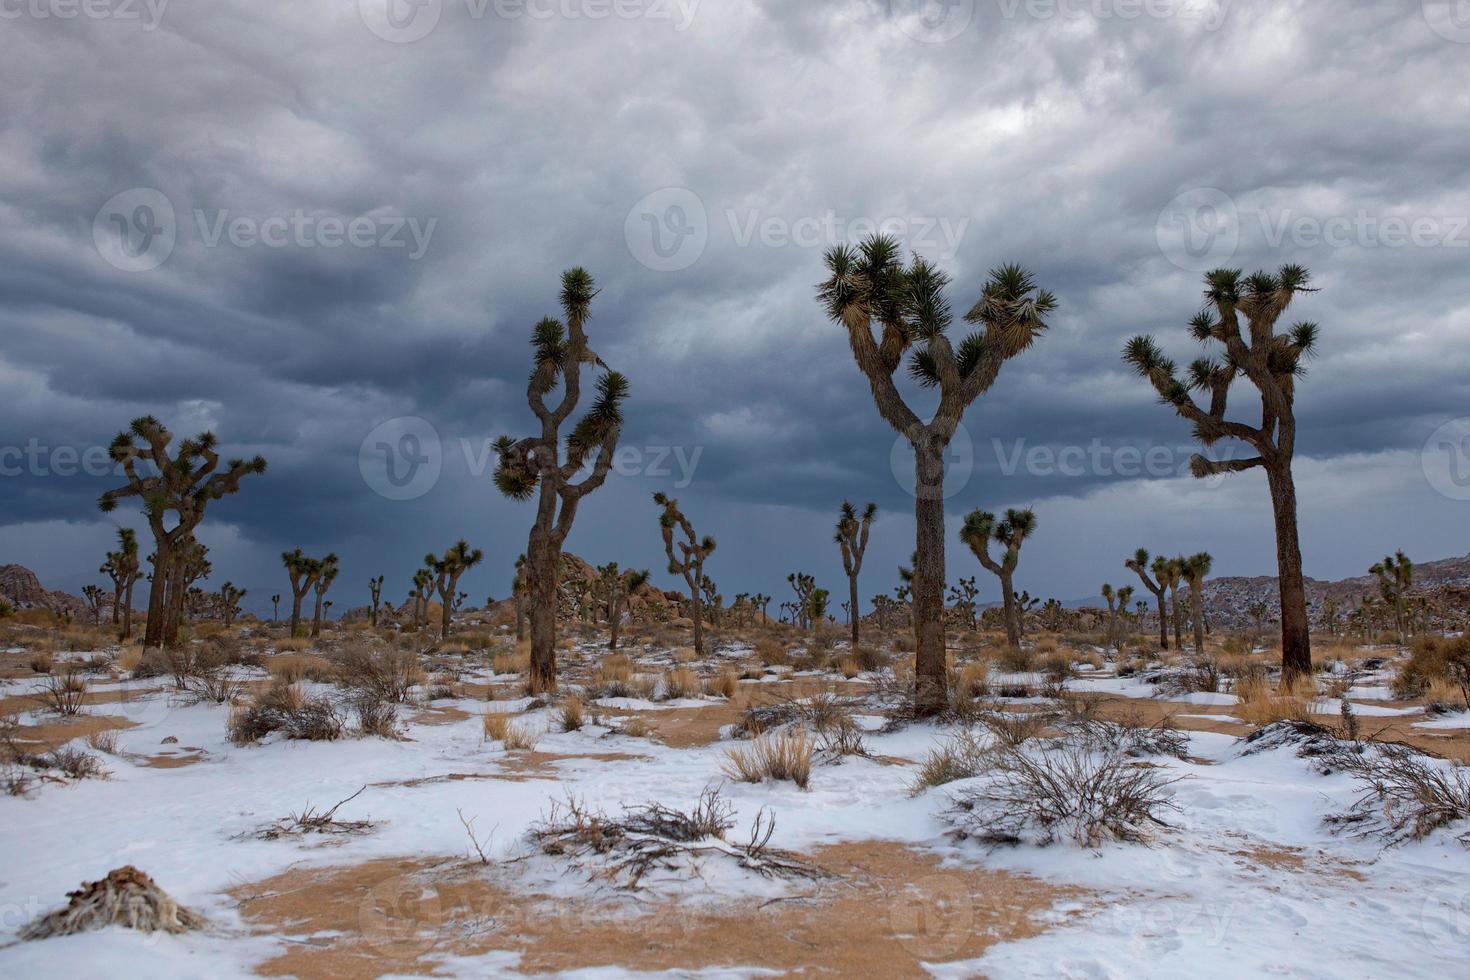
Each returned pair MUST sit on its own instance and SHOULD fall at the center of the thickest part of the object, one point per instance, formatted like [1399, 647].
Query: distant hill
[20, 587]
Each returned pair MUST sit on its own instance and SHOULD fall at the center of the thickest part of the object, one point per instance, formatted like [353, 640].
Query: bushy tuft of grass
[782, 756]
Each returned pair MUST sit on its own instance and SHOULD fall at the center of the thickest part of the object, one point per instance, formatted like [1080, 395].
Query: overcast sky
[324, 230]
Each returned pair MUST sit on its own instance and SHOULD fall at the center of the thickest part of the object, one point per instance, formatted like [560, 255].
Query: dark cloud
[1052, 140]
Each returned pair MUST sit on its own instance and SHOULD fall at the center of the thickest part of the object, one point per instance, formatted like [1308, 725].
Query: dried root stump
[126, 897]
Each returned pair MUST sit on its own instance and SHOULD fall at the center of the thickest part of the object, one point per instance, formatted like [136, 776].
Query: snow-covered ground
[1246, 880]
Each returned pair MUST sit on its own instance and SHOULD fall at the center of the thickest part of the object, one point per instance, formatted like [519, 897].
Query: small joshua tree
[122, 567]
[542, 462]
[447, 571]
[423, 588]
[616, 586]
[1395, 576]
[375, 589]
[94, 595]
[229, 598]
[1272, 362]
[963, 596]
[714, 600]
[803, 585]
[761, 602]
[979, 529]
[326, 573]
[869, 285]
[1170, 573]
[852, 539]
[275, 608]
[689, 560]
[1117, 604]
[1139, 565]
[184, 485]
[1196, 568]
[302, 570]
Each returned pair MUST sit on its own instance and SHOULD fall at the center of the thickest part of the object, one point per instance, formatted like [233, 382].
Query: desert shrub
[1012, 728]
[74, 763]
[64, 694]
[495, 725]
[517, 662]
[782, 756]
[1260, 705]
[375, 715]
[1130, 736]
[571, 715]
[285, 708]
[1405, 796]
[848, 667]
[771, 653]
[104, 741]
[1433, 658]
[389, 674]
[635, 727]
[1199, 674]
[1016, 660]
[443, 686]
[1066, 793]
[41, 663]
[870, 658]
[294, 668]
[520, 735]
[1055, 667]
[962, 756]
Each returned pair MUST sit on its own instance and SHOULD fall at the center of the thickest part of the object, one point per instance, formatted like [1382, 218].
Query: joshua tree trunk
[1178, 617]
[1197, 613]
[1296, 642]
[520, 618]
[930, 670]
[158, 592]
[541, 563]
[296, 613]
[1163, 620]
[1013, 619]
[127, 623]
[316, 616]
[614, 613]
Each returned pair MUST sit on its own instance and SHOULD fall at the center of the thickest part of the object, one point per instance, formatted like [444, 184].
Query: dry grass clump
[870, 659]
[1433, 658]
[635, 727]
[1260, 705]
[285, 708]
[781, 756]
[293, 668]
[516, 662]
[685, 655]
[126, 897]
[848, 667]
[41, 662]
[1065, 793]
[1012, 728]
[64, 694]
[1015, 660]
[681, 682]
[723, 685]
[514, 735]
[962, 756]
[495, 724]
[104, 741]
[613, 678]
[571, 715]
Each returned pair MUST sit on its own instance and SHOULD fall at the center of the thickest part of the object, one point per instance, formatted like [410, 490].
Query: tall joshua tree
[423, 588]
[979, 528]
[543, 462]
[375, 589]
[869, 285]
[122, 567]
[852, 538]
[447, 571]
[1170, 573]
[689, 561]
[1139, 564]
[803, 585]
[1395, 576]
[184, 485]
[1196, 568]
[327, 570]
[616, 585]
[1242, 314]
[229, 602]
[94, 594]
[302, 570]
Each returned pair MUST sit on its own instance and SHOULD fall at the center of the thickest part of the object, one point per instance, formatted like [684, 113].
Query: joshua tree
[375, 589]
[302, 571]
[326, 573]
[803, 585]
[423, 588]
[537, 461]
[1139, 564]
[616, 586]
[870, 285]
[690, 559]
[1257, 612]
[714, 600]
[852, 538]
[447, 571]
[1111, 598]
[1125, 596]
[275, 608]
[1395, 576]
[1329, 615]
[1271, 362]
[761, 601]
[816, 606]
[518, 591]
[1170, 573]
[122, 567]
[980, 527]
[185, 485]
[963, 597]
[1196, 568]
[94, 595]
[229, 602]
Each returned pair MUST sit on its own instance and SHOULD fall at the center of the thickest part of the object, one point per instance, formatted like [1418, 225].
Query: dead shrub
[104, 741]
[723, 685]
[41, 663]
[74, 763]
[962, 756]
[771, 653]
[495, 725]
[1431, 659]
[848, 667]
[870, 659]
[285, 708]
[1067, 793]
[782, 756]
[571, 715]
[388, 674]
[520, 736]
[1260, 705]
[680, 682]
[1405, 797]
[64, 694]
[375, 715]
[1016, 660]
